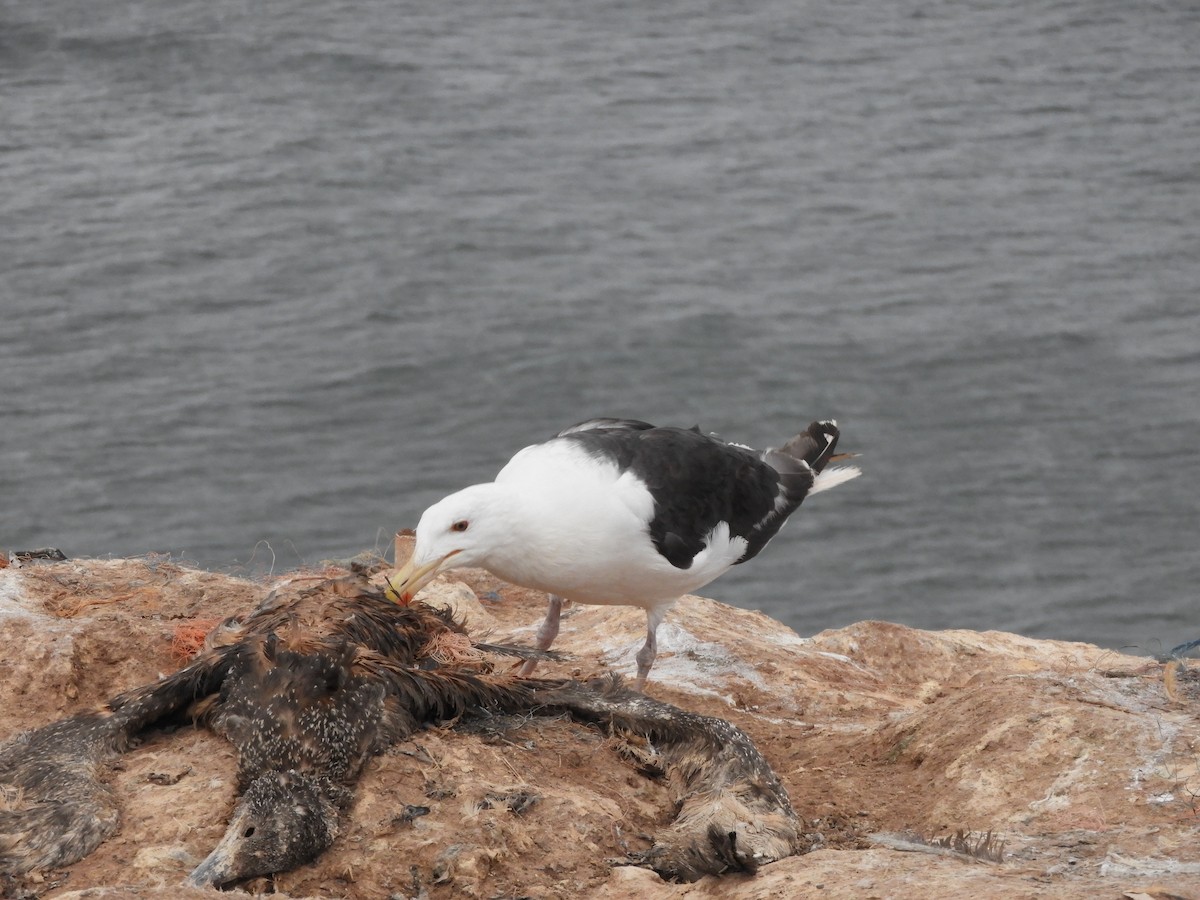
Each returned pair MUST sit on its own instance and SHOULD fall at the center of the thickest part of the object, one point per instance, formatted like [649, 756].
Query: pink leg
[546, 634]
[646, 656]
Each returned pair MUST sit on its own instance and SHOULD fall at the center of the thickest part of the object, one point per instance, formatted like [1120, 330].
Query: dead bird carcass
[309, 688]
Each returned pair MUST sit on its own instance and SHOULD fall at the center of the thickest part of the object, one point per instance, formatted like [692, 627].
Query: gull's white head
[465, 529]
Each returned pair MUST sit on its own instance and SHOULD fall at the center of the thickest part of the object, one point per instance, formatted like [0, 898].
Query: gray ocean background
[275, 275]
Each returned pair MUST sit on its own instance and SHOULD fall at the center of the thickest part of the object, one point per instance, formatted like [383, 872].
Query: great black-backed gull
[617, 511]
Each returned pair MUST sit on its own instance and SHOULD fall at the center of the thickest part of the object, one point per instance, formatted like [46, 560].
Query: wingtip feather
[831, 478]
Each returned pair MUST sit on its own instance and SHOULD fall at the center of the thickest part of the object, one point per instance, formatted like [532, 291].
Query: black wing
[698, 481]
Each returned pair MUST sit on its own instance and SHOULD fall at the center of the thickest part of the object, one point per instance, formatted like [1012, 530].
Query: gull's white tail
[831, 478]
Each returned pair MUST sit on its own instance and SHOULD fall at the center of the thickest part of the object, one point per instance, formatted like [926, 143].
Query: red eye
[460, 525]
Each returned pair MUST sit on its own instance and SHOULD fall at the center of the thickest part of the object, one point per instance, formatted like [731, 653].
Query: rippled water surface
[276, 275]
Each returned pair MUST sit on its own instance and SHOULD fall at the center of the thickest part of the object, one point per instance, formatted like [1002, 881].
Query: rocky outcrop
[1080, 762]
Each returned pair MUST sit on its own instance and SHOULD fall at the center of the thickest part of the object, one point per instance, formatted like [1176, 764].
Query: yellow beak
[405, 583]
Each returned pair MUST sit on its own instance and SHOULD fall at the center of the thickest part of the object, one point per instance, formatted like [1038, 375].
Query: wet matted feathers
[732, 811]
[308, 688]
